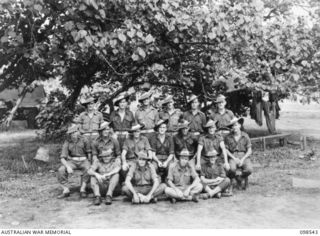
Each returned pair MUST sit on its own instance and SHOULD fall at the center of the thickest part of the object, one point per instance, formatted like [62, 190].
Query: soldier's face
[105, 132]
[146, 102]
[212, 130]
[162, 129]
[236, 127]
[170, 105]
[142, 162]
[221, 105]
[195, 104]
[90, 107]
[74, 135]
[136, 133]
[123, 104]
[184, 131]
[184, 160]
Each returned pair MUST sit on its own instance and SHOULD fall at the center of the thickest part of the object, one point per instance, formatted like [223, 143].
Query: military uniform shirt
[132, 147]
[172, 119]
[189, 142]
[107, 149]
[165, 148]
[141, 176]
[124, 125]
[242, 145]
[80, 148]
[147, 117]
[181, 177]
[210, 143]
[223, 119]
[197, 121]
[88, 124]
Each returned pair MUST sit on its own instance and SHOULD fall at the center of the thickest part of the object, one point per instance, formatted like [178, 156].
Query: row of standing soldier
[184, 155]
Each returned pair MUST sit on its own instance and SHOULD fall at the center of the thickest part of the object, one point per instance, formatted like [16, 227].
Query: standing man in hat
[183, 181]
[211, 142]
[75, 155]
[147, 115]
[162, 148]
[184, 140]
[142, 183]
[239, 149]
[196, 118]
[171, 114]
[222, 115]
[106, 164]
[122, 119]
[133, 144]
[90, 120]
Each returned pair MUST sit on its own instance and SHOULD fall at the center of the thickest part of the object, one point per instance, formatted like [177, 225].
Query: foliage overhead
[184, 44]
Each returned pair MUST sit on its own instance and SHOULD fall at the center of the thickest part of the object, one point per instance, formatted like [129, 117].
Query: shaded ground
[28, 197]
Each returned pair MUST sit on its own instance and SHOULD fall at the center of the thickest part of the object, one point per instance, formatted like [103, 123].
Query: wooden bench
[283, 138]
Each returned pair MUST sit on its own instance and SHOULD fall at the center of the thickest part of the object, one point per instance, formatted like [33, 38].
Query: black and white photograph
[159, 114]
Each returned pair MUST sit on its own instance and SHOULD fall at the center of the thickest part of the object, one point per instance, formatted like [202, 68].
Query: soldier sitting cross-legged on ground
[183, 181]
[106, 164]
[213, 176]
[142, 184]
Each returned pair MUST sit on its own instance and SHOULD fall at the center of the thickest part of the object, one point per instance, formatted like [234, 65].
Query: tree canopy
[187, 45]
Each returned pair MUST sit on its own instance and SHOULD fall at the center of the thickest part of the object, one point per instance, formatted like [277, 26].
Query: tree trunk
[71, 101]
[6, 123]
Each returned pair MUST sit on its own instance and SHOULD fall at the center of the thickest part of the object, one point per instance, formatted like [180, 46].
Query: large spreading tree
[182, 45]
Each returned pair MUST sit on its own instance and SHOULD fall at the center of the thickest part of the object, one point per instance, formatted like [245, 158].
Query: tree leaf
[131, 33]
[141, 52]
[37, 7]
[4, 39]
[135, 57]
[122, 37]
[149, 39]
[102, 13]
[89, 40]
[212, 35]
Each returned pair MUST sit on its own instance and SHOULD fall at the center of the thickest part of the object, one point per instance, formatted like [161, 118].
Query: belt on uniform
[225, 131]
[211, 156]
[121, 132]
[78, 158]
[195, 133]
[91, 133]
[147, 131]
[172, 132]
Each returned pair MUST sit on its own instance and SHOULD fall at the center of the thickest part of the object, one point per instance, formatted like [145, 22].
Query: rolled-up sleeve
[170, 173]
[65, 150]
[131, 171]
[87, 145]
[147, 144]
[117, 150]
[153, 173]
[95, 150]
[171, 146]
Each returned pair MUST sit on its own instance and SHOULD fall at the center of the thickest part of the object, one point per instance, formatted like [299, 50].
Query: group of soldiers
[181, 155]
